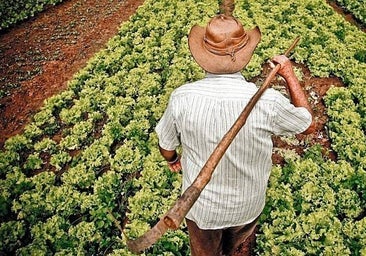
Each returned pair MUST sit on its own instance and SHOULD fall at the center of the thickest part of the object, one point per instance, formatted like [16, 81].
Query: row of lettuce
[12, 12]
[89, 158]
[356, 7]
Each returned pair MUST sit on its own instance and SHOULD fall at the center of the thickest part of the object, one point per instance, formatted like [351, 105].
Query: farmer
[200, 113]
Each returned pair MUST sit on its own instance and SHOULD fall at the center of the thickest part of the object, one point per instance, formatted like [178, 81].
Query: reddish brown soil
[40, 55]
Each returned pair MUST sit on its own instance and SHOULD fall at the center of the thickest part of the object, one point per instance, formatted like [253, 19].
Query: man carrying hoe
[198, 116]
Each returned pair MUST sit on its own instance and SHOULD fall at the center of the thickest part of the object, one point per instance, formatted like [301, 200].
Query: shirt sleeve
[166, 129]
[289, 119]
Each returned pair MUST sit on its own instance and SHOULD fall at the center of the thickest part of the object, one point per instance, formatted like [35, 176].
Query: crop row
[357, 8]
[314, 207]
[91, 153]
[12, 12]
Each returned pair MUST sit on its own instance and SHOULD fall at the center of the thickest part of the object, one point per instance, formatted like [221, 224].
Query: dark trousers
[217, 242]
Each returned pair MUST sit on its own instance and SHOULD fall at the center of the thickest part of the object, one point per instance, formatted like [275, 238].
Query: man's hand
[286, 70]
[172, 158]
[175, 166]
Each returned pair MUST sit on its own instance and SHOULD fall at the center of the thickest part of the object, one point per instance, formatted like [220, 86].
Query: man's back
[203, 112]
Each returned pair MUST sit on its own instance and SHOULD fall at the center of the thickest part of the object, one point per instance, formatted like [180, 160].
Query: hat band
[222, 47]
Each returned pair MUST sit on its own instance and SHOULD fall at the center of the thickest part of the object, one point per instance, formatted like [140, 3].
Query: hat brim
[221, 64]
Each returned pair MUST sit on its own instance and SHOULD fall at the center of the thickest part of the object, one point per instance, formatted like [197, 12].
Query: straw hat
[223, 46]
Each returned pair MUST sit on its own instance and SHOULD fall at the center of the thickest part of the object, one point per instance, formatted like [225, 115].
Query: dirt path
[40, 55]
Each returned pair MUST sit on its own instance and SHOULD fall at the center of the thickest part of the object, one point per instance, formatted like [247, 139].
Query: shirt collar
[236, 75]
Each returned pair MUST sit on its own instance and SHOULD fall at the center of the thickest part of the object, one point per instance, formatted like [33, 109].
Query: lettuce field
[86, 174]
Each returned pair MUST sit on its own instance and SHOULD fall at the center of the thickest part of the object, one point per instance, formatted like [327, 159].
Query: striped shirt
[197, 117]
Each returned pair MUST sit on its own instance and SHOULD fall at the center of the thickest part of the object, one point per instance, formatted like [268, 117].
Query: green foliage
[346, 123]
[78, 135]
[52, 231]
[34, 162]
[79, 177]
[309, 205]
[46, 121]
[11, 235]
[91, 153]
[31, 205]
[361, 55]
[60, 159]
[14, 184]
[12, 12]
[158, 188]
[7, 160]
[356, 7]
[18, 143]
[127, 159]
[85, 235]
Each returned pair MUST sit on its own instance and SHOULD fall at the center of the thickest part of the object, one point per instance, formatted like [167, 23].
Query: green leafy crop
[89, 159]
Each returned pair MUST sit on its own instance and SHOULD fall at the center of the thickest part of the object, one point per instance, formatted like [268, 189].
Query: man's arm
[172, 158]
[297, 94]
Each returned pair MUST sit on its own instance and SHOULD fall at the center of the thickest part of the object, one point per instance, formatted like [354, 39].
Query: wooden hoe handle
[174, 217]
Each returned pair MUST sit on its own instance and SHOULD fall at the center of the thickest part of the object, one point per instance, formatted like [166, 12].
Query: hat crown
[223, 27]
[224, 35]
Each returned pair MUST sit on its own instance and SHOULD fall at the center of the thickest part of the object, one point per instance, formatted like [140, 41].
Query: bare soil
[40, 55]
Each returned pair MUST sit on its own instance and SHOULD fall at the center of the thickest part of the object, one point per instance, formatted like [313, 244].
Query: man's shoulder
[189, 87]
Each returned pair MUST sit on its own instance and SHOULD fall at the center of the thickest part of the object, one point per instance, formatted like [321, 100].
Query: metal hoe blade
[148, 239]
